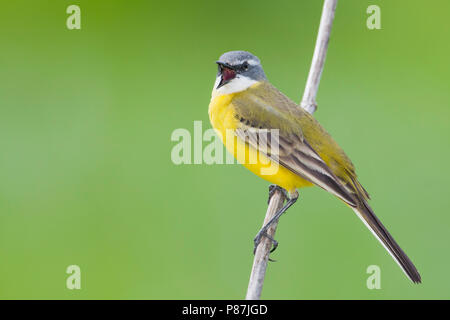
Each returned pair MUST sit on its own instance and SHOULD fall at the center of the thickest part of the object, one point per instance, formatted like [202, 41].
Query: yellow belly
[222, 117]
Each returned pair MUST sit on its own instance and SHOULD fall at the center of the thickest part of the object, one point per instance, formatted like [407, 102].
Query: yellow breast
[223, 119]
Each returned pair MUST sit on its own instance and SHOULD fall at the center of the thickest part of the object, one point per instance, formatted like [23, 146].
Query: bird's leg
[263, 232]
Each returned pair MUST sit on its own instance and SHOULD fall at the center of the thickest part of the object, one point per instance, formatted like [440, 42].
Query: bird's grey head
[237, 71]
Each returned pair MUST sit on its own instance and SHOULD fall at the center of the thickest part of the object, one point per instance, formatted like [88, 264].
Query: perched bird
[247, 112]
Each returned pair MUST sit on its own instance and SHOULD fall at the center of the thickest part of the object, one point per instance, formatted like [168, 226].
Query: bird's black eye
[245, 65]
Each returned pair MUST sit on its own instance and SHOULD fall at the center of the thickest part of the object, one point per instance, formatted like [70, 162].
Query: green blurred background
[86, 176]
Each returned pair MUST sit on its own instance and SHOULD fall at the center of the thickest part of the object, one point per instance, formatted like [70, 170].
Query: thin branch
[320, 52]
[309, 104]
[262, 252]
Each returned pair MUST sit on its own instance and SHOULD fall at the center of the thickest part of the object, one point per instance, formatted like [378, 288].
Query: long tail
[366, 214]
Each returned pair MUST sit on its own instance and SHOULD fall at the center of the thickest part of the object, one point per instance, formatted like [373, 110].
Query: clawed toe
[274, 245]
[258, 238]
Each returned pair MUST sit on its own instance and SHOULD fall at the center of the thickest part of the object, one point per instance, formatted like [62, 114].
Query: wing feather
[295, 154]
[265, 109]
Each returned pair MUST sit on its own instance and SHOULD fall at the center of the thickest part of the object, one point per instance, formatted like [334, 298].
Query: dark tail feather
[366, 214]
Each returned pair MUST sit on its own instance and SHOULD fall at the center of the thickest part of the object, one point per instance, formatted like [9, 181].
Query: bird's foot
[258, 238]
[273, 188]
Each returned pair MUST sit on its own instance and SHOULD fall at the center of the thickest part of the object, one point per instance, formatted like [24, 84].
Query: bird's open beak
[227, 72]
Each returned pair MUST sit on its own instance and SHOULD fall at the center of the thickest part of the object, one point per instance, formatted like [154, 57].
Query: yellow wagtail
[244, 103]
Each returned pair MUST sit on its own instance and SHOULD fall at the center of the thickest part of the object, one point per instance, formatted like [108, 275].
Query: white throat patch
[240, 83]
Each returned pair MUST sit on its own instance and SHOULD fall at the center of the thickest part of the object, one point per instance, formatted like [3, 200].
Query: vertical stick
[309, 104]
[263, 250]
[320, 52]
